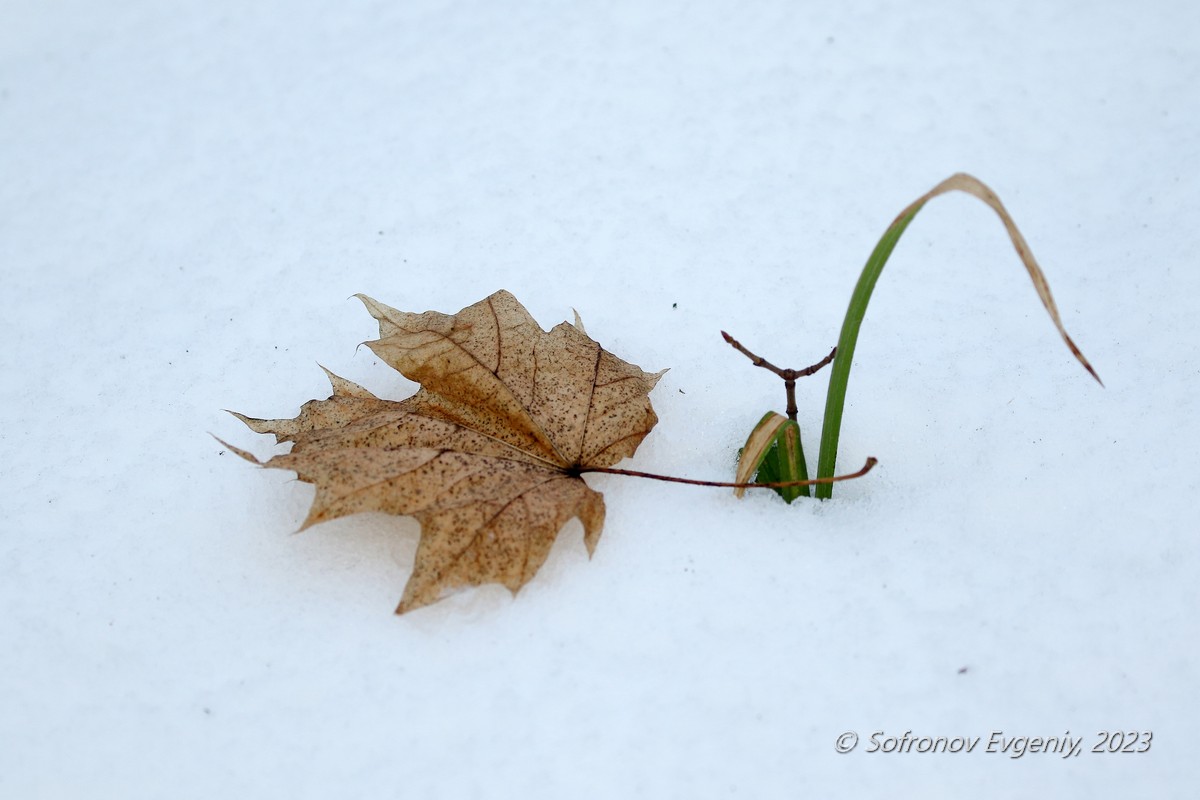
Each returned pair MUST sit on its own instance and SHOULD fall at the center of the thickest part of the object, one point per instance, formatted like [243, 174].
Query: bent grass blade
[835, 400]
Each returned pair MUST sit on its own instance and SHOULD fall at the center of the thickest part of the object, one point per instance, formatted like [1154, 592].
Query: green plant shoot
[839, 377]
[773, 454]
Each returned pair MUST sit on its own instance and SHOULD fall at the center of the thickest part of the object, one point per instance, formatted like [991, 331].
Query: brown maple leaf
[486, 455]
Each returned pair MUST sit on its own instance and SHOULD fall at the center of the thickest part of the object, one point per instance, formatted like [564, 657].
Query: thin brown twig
[789, 375]
[758, 361]
[871, 462]
[804, 373]
[786, 374]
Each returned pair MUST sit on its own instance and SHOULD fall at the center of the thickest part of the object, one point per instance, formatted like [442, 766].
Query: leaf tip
[343, 387]
[237, 450]
[375, 308]
[1080, 357]
[412, 600]
[255, 424]
[591, 515]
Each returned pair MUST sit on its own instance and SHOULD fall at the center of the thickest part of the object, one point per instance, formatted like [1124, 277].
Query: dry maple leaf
[486, 455]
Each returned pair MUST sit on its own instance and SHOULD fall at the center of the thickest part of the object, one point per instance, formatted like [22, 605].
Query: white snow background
[191, 191]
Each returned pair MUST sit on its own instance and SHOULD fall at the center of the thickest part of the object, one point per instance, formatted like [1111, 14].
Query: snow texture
[190, 191]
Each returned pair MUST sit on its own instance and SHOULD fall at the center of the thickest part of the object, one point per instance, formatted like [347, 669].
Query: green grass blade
[795, 454]
[835, 400]
[839, 377]
[783, 462]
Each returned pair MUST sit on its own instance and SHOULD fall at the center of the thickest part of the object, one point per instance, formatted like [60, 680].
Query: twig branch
[757, 361]
[871, 462]
[786, 374]
[804, 373]
[789, 375]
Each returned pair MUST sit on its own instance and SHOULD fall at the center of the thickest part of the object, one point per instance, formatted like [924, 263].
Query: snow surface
[190, 191]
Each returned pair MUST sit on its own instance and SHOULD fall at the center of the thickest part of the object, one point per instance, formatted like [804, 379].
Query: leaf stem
[871, 462]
